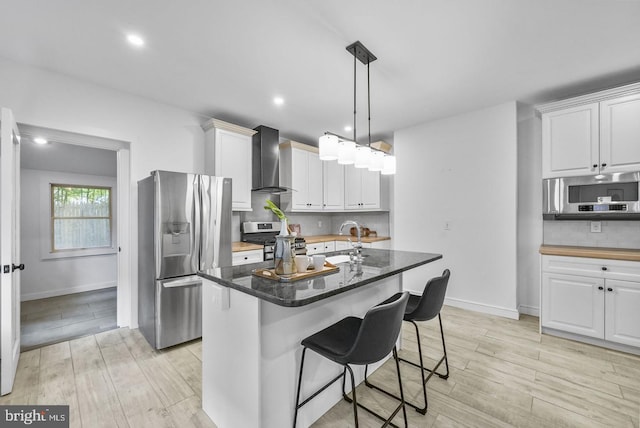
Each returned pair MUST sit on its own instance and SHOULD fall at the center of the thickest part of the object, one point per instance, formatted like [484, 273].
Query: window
[80, 217]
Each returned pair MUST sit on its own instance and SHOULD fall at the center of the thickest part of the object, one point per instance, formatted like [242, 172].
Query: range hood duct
[266, 160]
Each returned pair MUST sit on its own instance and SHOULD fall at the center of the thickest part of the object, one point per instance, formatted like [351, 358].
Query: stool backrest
[432, 298]
[378, 332]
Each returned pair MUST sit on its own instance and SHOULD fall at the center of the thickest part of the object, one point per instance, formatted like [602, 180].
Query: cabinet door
[333, 189]
[370, 189]
[329, 246]
[316, 248]
[233, 159]
[622, 308]
[570, 142]
[343, 245]
[620, 134]
[573, 303]
[299, 180]
[352, 187]
[246, 257]
[314, 180]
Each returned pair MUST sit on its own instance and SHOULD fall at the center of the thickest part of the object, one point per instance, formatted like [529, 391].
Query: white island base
[251, 354]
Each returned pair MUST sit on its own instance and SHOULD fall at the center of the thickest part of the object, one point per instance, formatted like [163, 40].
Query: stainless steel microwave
[599, 197]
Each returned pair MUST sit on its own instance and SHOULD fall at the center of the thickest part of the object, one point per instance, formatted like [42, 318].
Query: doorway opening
[69, 234]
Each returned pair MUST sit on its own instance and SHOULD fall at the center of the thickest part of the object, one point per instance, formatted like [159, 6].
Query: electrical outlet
[447, 225]
[319, 224]
[596, 227]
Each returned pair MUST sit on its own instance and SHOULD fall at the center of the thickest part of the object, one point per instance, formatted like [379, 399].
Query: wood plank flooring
[60, 318]
[503, 374]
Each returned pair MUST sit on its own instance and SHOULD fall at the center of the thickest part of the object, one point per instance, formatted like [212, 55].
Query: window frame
[53, 218]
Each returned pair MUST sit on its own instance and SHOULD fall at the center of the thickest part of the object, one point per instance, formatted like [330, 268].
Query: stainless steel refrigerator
[184, 226]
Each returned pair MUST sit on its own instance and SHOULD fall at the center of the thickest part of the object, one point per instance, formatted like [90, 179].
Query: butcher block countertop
[244, 246]
[591, 252]
[314, 239]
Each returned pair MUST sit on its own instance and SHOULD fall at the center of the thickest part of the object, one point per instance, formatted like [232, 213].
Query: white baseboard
[61, 292]
[482, 307]
[529, 310]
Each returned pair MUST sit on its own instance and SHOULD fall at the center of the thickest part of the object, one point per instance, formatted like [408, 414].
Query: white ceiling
[228, 59]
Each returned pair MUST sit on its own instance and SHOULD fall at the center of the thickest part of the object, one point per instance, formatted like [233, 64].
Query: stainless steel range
[264, 233]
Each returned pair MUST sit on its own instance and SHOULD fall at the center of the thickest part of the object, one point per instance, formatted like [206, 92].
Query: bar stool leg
[353, 389]
[295, 415]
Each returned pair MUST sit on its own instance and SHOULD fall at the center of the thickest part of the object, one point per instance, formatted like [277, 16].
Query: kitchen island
[252, 329]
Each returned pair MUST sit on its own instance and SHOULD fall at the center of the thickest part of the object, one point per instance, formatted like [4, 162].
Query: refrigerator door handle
[183, 282]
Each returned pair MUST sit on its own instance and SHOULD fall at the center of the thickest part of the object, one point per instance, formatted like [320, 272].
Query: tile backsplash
[616, 234]
[310, 223]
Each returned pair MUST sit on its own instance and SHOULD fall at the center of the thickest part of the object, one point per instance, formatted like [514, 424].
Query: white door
[620, 134]
[9, 250]
[314, 177]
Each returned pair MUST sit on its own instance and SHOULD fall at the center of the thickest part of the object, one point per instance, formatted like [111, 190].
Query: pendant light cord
[369, 101]
[354, 99]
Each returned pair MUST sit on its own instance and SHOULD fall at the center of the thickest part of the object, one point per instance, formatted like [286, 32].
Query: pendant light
[328, 145]
[348, 151]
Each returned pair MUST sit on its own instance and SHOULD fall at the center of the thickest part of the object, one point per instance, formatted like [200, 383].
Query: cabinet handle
[600, 288]
[595, 165]
[603, 165]
[604, 268]
[609, 289]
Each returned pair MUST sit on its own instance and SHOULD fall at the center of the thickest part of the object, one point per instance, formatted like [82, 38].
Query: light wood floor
[503, 374]
[60, 318]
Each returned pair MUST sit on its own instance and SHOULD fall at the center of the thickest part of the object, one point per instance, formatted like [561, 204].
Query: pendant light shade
[377, 161]
[328, 145]
[389, 167]
[347, 153]
[363, 157]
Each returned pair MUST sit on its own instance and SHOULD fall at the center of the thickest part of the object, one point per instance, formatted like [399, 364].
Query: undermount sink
[338, 259]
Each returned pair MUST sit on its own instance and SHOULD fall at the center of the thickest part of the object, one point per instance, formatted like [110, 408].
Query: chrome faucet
[357, 247]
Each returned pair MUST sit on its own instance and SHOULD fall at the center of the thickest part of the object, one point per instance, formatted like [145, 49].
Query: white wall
[161, 136]
[461, 170]
[45, 276]
[529, 209]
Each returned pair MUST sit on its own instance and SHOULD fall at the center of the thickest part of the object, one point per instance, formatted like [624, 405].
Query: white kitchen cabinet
[622, 303]
[570, 143]
[573, 303]
[315, 248]
[343, 245]
[593, 134]
[620, 134]
[333, 186]
[382, 245]
[596, 298]
[300, 170]
[228, 154]
[329, 246]
[246, 257]
[361, 189]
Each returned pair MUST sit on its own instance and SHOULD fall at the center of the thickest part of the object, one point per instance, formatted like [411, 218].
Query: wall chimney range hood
[266, 159]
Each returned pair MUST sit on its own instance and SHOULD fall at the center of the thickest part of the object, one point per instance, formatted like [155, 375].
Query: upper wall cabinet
[228, 154]
[333, 186]
[300, 170]
[592, 134]
[361, 189]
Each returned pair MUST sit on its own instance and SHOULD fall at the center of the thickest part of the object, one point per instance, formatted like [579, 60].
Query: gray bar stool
[359, 341]
[425, 308]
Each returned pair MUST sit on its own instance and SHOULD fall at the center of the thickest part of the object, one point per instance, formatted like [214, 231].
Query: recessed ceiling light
[135, 40]
[278, 101]
[40, 140]
[348, 128]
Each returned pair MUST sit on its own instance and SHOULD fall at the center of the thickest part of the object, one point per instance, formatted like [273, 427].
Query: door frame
[123, 194]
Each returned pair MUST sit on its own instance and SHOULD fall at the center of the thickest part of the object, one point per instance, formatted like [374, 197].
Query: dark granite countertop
[377, 265]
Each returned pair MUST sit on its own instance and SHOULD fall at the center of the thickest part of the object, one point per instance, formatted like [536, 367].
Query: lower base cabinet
[602, 302]
[246, 257]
